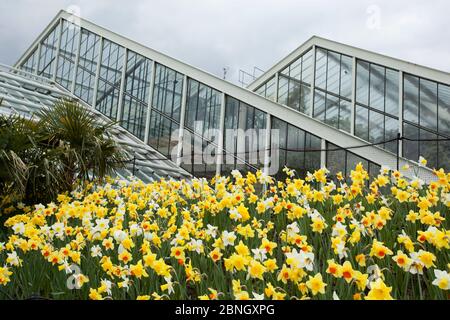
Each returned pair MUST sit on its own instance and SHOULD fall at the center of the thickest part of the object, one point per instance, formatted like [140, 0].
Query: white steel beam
[122, 85]
[58, 47]
[182, 117]
[150, 101]
[77, 60]
[97, 74]
[313, 82]
[400, 111]
[219, 157]
[353, 107]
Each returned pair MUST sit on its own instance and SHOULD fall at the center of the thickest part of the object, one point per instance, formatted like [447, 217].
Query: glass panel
[332, 110]
[362, 82]
[307, 67]
[47, 53]
[444, 109]
[362, 122]
[428, 149]
[335, 159]
[283, 86]
[333, 72]
[319, 105]
[411, 148]
[346, 77]
[30, 64]
[167, 91]
[345, 115]
[377, 87]
[321, 68]
[411, 98]
[391, 130]
[270, 89]
[244, 146]
[295, 141]
[392, 91]
[87, 66]
[135, 96]
[444, 155]
[428, 104]
[312, 158]
[295, 69]
[376, 126]
[305, 100]
[67, 53]
[110, 79]
[294, 94]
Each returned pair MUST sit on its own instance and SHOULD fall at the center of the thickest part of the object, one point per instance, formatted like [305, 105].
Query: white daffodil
[19, 228]
[96, 251]
[119, 235]
[422, 161]
[259, 254]
[257, 296]
[442, 279]
[212, 231]
[228, 238]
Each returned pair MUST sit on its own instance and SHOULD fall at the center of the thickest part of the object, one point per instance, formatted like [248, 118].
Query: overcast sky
[242, 34]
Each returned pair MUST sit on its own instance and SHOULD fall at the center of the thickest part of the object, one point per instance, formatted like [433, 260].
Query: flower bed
[379, 238]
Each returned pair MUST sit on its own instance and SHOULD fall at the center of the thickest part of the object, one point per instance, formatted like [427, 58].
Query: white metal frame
[305, 122]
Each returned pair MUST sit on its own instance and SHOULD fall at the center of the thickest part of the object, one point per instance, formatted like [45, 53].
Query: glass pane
[30, 64]
[67, 53]
[428, 149]
[47, 53]
[294, 94]
[283, 90]
[345, 115]
[362, 82]
[333, 72]
[270, 89]
[335, 160]
[391, 130]
[305, 100]
[376, 87]
[428, 104]
[392, 92]
[87, 66]
[444, 109]
[362, 122]
[444, 155]
[135, 95]
[319, 105]
[332, 110]
[307, 68]
[110, 79]
[376, 127]
[167, 91]
[346, 77]
[295, 69]
[321, 69]
[295, 141]
[411, 98]
[411, 148]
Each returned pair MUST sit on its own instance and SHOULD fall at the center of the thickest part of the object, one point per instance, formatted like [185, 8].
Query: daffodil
[379, 291]
[316, 285]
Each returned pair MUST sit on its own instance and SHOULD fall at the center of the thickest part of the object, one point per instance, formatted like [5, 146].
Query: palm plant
[66, 144]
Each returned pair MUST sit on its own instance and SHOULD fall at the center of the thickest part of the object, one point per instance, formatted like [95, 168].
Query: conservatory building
[324, 105]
